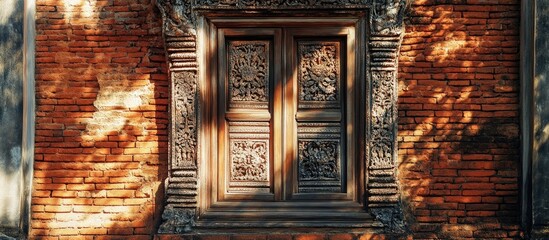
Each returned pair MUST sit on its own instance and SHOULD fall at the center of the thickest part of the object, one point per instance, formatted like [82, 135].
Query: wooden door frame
[340, 27]
[184, 31]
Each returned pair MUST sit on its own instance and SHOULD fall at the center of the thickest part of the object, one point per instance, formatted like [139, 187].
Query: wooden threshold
[300, 215]
[367, 226]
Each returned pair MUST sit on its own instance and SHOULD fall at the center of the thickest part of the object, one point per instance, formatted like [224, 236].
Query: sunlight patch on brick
[117, 101]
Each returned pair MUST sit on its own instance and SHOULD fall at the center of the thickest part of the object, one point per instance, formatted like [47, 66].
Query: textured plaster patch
[7, 9]
[117, 97]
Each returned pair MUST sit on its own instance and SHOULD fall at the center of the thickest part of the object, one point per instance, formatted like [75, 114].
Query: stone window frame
[182, 32]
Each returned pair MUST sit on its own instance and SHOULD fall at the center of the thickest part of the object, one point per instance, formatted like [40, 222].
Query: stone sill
[277, 234]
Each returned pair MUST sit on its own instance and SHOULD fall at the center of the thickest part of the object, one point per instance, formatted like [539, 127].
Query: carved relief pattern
[382, 120]
[177, 16]
[319, 71]
[177, 220]
[249, 161]
[387, 17]
[249, 71]
[319, 160]
[383, 190]
[185, 120]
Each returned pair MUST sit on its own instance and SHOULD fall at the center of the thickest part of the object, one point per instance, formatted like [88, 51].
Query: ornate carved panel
[249, 161]
[321, 162]
[185, 120]
[319, 165]
[319, 73]
[248, 73]
[250, 168]
[246, 82]
[382, 120]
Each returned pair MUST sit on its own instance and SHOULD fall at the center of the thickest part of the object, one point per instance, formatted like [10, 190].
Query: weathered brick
[69, 59]
[458, 78]
[471, 66]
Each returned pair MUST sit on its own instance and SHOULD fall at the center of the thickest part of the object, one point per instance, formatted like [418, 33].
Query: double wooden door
[286, 114]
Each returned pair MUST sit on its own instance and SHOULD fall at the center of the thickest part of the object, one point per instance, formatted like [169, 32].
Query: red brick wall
[458, 127]
[102, 100]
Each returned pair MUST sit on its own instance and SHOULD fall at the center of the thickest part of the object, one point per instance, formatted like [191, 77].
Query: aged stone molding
[384, 39]
[386, 21]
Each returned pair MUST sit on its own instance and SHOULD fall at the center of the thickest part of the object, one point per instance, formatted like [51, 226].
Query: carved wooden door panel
[285, 114]
[320, 96]
[248, 73]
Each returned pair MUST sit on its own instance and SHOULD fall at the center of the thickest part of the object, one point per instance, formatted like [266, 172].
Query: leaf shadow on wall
[458, 121]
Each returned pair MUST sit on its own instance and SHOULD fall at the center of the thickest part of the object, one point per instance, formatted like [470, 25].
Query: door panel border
[214, 202]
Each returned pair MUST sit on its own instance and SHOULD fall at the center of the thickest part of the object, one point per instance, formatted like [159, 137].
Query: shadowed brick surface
[458, 127]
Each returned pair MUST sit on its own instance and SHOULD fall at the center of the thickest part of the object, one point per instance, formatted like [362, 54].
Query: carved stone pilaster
[384, 39]
[181, 184]
[383, 190]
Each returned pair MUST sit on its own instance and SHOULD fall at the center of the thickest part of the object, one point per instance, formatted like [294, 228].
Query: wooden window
[285, 117]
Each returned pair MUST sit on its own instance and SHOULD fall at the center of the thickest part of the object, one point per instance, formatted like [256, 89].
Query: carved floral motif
[319, 160]
[249, 71]
[249, 161]
[319, 71]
